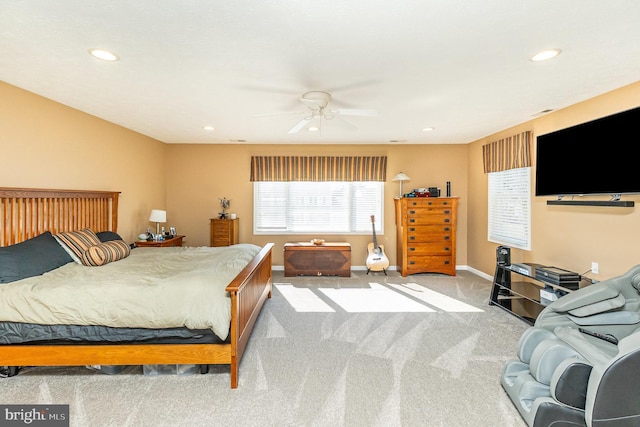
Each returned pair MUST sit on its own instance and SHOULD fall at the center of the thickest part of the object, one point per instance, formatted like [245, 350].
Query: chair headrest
[635, 282]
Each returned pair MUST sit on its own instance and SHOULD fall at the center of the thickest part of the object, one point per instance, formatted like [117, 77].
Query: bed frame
[26, 213]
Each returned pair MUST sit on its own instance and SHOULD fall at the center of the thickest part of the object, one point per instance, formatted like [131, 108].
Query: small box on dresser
[426, 235]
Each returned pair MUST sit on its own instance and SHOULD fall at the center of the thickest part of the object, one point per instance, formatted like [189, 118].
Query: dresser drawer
[429, 203]
[417, 217]
[222, 228]
[418, 249]
[432, 264]
[429, 233]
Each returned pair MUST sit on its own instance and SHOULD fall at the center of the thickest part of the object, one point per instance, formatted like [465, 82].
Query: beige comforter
[151, 288]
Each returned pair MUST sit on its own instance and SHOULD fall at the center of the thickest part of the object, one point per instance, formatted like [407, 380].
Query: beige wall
[569, 237]
[198, 175]
[44, 144]
[48, 145]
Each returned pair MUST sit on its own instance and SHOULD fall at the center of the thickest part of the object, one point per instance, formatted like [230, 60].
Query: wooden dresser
[426, 234]
[224, 232]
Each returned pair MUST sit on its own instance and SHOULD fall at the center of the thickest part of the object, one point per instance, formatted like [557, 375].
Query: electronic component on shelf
[558, 276]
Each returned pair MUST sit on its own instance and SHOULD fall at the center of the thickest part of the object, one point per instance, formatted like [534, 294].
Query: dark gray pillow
[107, 236]
[32, 257]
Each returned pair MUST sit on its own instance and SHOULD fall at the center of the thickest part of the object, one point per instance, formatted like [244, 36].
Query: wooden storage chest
[328, 259]
[426, 235]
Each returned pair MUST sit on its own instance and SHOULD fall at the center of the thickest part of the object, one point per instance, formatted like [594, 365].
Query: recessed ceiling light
[208, 128]
[105, 55]
[314, 129]
[545, 54]
[427, 129]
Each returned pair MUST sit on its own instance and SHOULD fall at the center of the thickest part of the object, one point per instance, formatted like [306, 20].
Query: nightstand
[224, 232]
[174, 241]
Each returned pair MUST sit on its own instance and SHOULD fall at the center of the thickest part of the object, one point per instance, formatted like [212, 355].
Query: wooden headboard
[28, 212]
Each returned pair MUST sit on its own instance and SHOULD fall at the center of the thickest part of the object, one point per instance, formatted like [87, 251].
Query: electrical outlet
[595, 268]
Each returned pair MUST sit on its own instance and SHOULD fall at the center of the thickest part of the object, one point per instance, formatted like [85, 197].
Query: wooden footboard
[248, 291]
[25, 213]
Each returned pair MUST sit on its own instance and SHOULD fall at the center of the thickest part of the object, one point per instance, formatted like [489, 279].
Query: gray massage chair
[579, 365]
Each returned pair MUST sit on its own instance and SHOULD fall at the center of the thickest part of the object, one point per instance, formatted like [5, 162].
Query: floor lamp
[401, 177]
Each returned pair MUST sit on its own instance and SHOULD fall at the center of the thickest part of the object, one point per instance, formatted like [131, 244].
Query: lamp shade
[158, 215]
[401, 177]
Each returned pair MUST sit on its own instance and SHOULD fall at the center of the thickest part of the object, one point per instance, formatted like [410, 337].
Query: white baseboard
[393, 268]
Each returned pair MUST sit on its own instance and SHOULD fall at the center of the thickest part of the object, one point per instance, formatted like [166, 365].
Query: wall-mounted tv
[597, 157]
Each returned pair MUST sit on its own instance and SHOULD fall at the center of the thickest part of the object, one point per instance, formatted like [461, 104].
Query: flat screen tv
[597, 157]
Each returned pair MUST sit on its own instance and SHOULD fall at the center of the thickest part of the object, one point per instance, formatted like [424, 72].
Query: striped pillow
[79, 241]
[105, 253]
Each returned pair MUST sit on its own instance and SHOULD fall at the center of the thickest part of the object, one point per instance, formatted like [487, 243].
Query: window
[510, 207]
[327, 207]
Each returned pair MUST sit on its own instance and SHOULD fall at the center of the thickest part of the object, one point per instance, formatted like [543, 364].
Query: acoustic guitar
[376, 259]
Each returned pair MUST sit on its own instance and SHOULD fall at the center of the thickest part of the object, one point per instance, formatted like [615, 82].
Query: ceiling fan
[317, 103]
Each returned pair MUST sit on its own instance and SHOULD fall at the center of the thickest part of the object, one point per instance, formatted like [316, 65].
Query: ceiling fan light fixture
[105, 55]
[313, 129]
[545, 55]
[428, 129]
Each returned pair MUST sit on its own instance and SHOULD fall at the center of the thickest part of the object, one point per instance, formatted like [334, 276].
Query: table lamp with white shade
[158, 216]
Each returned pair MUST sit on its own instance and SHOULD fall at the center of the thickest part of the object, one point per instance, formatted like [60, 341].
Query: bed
[28, 215]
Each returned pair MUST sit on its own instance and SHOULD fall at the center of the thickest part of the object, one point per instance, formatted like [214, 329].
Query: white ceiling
[460, 66]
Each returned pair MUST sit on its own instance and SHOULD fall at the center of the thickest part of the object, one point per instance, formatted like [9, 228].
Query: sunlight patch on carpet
[436, 299]
[376, 299]
[303, 299]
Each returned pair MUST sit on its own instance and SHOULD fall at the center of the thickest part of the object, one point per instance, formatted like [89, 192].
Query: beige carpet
[376, 350]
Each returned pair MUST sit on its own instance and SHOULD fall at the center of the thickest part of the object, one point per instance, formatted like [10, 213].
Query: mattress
[30, 333]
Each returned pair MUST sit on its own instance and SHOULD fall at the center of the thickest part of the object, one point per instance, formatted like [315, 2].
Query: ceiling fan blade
[344, 121]
[355, 112]
[279, 114]
[302, 123]
[312, 104]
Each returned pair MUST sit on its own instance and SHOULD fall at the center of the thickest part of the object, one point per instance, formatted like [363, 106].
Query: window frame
[355, 219]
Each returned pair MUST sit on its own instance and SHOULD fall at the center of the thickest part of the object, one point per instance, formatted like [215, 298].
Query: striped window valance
[318, 168]
[510, 153]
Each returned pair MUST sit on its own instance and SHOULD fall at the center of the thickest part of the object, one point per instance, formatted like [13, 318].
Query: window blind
[510, 208]
[330, 207]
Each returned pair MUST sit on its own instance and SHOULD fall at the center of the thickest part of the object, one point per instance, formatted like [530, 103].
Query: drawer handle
[446, 237]
[412, 262]
[412, 237]
[412, 229]
[447, 249]
[447, 229]
[447, 212]
[446, 263]
[447, 220]
[412, 249]
[412, 220]
[412, 212]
